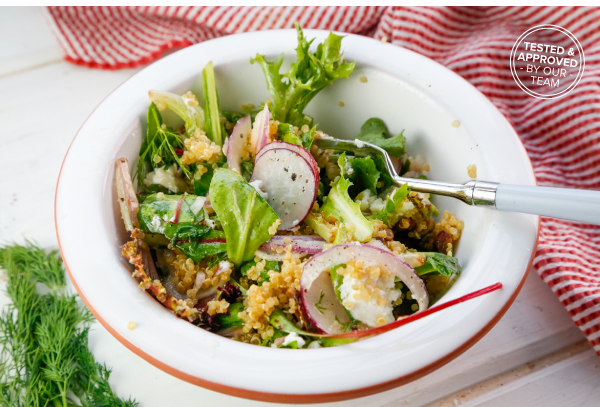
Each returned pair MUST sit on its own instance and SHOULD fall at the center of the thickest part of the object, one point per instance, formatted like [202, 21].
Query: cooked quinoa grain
[472, 171]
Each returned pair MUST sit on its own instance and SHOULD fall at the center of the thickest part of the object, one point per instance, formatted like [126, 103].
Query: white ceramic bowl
[406, 90]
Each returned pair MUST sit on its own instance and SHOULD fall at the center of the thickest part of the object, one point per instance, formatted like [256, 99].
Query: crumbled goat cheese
[157, 224]
[168, 178]
[198, 205]
[379, 293]
[314, 345]
[377, 205]
[359, 143]
[258, 185]
[294, 337]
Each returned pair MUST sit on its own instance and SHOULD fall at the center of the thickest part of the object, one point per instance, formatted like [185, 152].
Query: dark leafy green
[363, 174]
[232, 319]
[375, 131]
[438, 263]
[310, 73]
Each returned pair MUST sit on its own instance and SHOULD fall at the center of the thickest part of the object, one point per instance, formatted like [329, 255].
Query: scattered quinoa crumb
[131, 325]
[274, 226]
[455, 123]
[363, 79]
[341, 104]
[248, 106]
[472, 171]
[384, 39]
[426, 167]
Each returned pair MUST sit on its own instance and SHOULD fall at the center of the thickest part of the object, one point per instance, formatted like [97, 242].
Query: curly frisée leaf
[247, 219]
[340, 206]
[310, 73]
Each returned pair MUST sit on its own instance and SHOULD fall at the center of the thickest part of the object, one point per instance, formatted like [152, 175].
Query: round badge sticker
[547, 61]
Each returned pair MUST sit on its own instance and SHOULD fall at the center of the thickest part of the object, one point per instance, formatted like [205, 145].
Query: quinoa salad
[243, 226]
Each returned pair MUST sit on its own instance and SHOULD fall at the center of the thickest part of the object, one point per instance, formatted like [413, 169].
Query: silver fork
[563, 203]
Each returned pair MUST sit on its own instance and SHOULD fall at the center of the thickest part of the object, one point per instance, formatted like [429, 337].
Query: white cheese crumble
[359, 143]
[369, 312]
[294, 337]
[167, 178]
[156, 224]
[314, 345]
[197, 205]
[210, 223]
[258, 185]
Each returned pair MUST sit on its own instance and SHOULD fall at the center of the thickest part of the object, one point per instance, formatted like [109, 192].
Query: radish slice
[260, 130]
[300, 244]
[290, 184]
[293, 147]
[235, 143]
[314, 280]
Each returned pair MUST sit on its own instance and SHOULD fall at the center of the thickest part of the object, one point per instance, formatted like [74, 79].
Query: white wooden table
[535, 356]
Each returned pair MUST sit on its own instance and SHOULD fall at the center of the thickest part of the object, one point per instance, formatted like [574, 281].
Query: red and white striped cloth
[562, 136]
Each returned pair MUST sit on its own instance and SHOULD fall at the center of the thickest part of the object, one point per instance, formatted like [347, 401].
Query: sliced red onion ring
[126, 194]
[290, 183]
[235, 143]
[260, 130]
[300, 244]
[314, 281]
[295, 148]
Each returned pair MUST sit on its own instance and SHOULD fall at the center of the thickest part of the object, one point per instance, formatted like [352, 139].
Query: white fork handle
[578, 205]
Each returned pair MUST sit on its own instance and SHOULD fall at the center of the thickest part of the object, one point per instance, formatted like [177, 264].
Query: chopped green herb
[318, 305]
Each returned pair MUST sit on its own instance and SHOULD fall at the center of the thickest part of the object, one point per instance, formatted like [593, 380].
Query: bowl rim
[287, 397]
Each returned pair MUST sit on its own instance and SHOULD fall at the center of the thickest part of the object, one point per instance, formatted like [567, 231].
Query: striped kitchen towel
[562, 136]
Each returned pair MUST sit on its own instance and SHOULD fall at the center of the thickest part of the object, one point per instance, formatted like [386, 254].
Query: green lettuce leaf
[246, 217]
[215, 129]
[374, 131]
[310, 73]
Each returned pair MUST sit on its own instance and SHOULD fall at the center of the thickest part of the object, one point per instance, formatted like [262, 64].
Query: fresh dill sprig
[318, 305]
[158, 147]
[44, 356]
